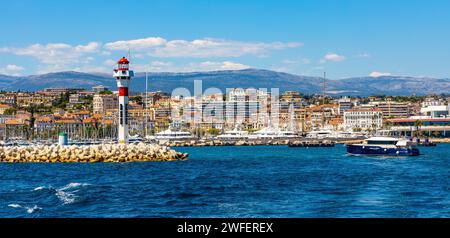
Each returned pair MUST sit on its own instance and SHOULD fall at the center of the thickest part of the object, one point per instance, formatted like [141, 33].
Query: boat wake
[35, 200]
[66, 194]
[29, 210]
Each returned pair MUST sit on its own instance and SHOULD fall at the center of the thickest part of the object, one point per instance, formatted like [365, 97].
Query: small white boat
[322, 134]
[135, 139]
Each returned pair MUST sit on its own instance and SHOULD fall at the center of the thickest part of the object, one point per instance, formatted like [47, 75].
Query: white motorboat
[234, 134]
[173, 135]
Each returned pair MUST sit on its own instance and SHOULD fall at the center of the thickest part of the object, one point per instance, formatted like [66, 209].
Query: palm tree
[417, 125]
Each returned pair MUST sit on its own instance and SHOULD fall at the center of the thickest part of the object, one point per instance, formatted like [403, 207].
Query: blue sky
[343, 37]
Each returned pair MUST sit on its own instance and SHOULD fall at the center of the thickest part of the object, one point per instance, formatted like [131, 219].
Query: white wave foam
[33, 209]
[28, 209]
[66, 197]
[73, 185]
[39, 188]
[67, 193]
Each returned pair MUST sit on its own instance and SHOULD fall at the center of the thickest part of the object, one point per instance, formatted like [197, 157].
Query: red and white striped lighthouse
[123, 75]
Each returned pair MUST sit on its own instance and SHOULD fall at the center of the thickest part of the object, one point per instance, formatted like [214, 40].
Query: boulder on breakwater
[89, 154]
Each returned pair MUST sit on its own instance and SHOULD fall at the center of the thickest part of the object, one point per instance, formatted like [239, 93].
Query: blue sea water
[267, 181]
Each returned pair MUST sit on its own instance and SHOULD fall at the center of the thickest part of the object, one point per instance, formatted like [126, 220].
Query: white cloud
[162, 66]
[58, 53]
[333, 57]
[92, 69]
[156, 66]
[281, 69]
[211, 66]
[377, 74]
[12, 69]
[200, 48]
[91, 47]
[110, 62]
[138, 44]
[55, 57]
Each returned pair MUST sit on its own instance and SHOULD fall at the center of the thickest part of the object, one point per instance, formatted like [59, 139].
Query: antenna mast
[324, 87]
[145, 104]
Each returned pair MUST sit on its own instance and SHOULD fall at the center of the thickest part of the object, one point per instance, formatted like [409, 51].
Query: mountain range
[247, 78]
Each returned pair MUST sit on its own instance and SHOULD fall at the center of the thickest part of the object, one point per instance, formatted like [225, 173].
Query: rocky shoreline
[113, 153]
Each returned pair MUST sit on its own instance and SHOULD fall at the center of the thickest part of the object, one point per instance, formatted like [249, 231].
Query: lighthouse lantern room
[123, 75]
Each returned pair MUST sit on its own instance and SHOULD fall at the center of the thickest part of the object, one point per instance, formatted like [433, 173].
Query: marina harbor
[115, 131]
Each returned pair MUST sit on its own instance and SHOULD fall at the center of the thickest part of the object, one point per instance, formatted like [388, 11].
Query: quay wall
[253, 142]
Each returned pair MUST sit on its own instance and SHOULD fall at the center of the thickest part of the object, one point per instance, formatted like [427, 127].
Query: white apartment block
[363, 118]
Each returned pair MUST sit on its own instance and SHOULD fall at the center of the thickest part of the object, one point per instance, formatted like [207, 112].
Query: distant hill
[392, 85]
[248, 78]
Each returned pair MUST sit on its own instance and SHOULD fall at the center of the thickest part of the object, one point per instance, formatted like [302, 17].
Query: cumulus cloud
[138, 44]
[91, 47]
[58, 53]
[12, 69]
[200, 48]
[110, 62]
[211, 66]
[55, 57]
[163, 66]
[333, 57]
[58, 56]
[92, 69]
[377, 74]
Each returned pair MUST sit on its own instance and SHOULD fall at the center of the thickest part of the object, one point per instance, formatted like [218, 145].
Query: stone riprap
[89, 154]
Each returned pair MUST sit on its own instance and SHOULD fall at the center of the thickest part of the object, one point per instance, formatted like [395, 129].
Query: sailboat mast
[145, 104]
[323, 98]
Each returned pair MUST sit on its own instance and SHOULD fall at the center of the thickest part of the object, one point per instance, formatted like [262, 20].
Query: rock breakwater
[90, 154]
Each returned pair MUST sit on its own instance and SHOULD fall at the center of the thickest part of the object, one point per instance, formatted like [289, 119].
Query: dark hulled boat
[386, 146]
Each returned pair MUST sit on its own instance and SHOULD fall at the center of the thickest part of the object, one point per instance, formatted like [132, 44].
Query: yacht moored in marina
[322, 134]
[173, 135]
[271, 133]
[234, 134]
[326, 134]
